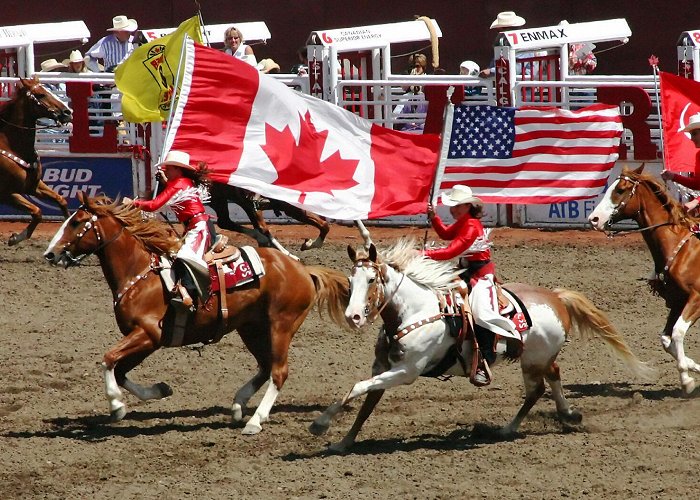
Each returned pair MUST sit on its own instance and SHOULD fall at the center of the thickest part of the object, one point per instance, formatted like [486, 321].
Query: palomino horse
[666, 228]
[266, 312]
[403, 288]
[253, 205]
[20, 168]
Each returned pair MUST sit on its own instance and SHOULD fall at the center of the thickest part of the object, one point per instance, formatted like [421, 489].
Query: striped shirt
[111, 51]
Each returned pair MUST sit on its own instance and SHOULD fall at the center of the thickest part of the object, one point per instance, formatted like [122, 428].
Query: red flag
[680, 99]
[255, 132]
[531, 154]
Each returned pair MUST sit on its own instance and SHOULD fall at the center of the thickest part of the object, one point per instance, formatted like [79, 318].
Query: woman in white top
[233, 40]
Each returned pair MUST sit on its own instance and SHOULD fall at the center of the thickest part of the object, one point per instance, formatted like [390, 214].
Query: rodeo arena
[505, 285]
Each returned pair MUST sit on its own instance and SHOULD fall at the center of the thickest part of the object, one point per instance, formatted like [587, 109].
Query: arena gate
[352, 67]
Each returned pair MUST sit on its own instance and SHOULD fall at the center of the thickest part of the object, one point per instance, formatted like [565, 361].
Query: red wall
[655, 25]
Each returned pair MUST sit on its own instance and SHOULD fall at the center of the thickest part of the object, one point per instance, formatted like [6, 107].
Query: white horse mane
[434, 274]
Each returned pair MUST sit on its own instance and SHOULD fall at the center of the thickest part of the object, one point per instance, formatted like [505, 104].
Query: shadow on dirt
[622, 390]
[147, 423]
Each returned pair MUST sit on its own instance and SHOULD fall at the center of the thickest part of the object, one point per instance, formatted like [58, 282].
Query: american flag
[530, 154]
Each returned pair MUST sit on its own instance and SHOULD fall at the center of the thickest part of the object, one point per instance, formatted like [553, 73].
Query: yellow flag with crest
[147, 77]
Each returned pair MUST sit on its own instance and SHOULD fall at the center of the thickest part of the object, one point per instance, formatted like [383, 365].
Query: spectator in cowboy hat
[693, 131]
[76, 63]
[52, 65]
[470, 68]
[268, 66]
[503, 22]
[115, 47]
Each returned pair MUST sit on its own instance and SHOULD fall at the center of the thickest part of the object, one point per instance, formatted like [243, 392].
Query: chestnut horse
[666, 229]
[20, 168]
[403, 288]
[266, 313]
[253, 205]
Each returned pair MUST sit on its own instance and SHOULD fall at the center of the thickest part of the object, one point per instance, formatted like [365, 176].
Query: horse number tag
[520, 322]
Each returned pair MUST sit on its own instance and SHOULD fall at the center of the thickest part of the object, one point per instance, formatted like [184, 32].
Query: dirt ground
[638, 438]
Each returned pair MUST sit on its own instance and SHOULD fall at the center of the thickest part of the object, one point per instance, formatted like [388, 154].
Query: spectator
[582, 60]
[76, 63]
[302, 67]
[471, 69]
[234, 46]
[115, 47]
[503, 22]
[52, 66]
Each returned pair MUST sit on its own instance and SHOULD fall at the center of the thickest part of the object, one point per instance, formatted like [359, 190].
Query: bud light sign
[69, 176]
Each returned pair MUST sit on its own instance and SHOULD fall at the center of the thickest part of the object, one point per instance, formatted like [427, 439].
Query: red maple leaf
[299, 166]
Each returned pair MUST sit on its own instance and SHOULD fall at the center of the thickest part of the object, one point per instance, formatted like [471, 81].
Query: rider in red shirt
[470, 243]
[185, 187]
[693, 128]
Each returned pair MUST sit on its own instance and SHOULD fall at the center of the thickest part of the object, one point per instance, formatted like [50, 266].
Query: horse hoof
[164, 389]
[340, 447]
[251, 429]
[13, 239]
[237, 412]
[118, 414]
[689, 387]
[307, 244]
[575, 417]
[317, 429]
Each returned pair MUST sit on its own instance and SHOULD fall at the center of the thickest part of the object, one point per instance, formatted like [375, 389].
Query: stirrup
[486, 371]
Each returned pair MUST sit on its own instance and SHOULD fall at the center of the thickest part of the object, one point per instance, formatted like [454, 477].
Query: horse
[666, 229]
[402, 286]
[266, 313]
[253, 205]
[20, 167]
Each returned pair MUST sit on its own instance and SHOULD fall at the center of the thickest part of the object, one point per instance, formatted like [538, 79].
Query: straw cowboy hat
[267, 66]
[471, 67]
[459, 195]
[122, 23]
[693, 123]
[52, 64]
[507, 19]
[177, 158]
[75, 57]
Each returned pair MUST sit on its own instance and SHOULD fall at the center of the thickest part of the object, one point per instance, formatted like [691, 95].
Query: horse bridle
[622, 204]
[30, 94]
[89, 224]
[378, 297]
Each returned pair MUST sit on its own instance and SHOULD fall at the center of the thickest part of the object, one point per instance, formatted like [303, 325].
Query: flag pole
[201, 21]
[442, 157]
[654, 62]
[444, 145]
[176, 84]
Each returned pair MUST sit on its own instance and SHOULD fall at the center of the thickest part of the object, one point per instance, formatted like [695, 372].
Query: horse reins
[622, 204]
[87, 225]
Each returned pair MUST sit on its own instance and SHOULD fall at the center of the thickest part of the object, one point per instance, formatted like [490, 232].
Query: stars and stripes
[531, 154]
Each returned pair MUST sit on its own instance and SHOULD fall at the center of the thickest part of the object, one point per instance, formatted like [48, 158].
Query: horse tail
[590, 322]
[332, 291]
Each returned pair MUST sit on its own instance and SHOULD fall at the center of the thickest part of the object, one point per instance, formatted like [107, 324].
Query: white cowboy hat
[693, 123]
[459, 195]
[471, 67]
[122, 23]
[52, 64]
[75, 57]
[177, 158]
[507, 19]
[267, 65]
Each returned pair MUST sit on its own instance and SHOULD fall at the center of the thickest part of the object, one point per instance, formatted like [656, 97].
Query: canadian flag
[255, 132]
[680, 99]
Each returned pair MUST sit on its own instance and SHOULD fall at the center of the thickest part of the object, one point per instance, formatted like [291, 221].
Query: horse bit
[87, 226]
[379, 290]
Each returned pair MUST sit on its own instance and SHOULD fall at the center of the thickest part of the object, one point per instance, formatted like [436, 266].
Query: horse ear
[82, 197]
[352, 253]
[639, 170]
[373, 253]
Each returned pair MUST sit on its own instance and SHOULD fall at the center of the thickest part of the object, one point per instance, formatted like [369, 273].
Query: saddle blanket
[238, 272]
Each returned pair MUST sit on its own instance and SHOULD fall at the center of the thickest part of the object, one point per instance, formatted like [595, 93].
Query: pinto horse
[20, 168]
[266, 313]
[253, 205]
[403, 288]
[666, 229]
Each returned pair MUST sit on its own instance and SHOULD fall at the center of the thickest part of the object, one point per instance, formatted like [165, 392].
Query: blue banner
[70, 175]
